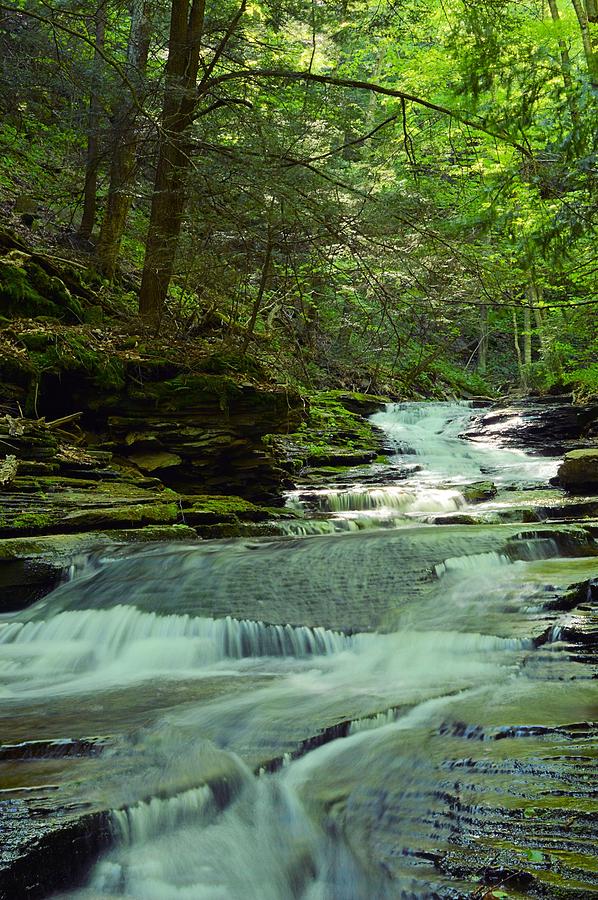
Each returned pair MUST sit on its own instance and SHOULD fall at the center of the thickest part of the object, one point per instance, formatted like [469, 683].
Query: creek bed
[399, 711]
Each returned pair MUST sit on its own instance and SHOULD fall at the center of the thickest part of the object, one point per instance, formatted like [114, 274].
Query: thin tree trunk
[535, 294]
[483, 345]
[520, 367]
[527, 337]
[93, 128]
[565, 65]
[260, 295]
[124, 141]
[587, 38]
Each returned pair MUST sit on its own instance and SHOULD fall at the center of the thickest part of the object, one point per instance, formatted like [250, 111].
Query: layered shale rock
[547, 427]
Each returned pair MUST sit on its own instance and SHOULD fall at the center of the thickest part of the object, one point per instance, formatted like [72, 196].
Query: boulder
[479, 491]
[578, 473]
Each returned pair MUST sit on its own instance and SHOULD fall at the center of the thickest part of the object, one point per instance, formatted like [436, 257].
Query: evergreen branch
[478, 125]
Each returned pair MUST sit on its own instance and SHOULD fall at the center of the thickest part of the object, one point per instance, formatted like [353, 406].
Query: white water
[429, 432]
[432, 463]
[293, 834]
[123, 644]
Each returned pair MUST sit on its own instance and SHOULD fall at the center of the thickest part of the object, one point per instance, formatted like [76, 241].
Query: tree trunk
[93, 128]
[124, 141]
[181, 96]
[585, 25]
[527, 337]
[520, 366]
[483, 345]
[565, 66]
[259, 296]
[168, 201]
[535, 293]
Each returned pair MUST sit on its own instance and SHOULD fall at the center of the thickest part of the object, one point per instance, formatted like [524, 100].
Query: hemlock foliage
[383, 195]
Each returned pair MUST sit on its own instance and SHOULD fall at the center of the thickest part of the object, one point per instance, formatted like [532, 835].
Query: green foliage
[336, 235]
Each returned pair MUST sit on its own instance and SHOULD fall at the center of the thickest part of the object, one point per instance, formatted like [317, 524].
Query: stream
[378, 702]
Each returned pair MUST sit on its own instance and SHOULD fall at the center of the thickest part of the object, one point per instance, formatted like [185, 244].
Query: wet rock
[456, 519]
[335, 433]
[578, 473]
[543, 543]
[479, 491]
[36, 861]
[31, 567]
[545, 427]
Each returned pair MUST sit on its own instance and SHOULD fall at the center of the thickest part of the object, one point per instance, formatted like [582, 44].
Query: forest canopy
[389, 190]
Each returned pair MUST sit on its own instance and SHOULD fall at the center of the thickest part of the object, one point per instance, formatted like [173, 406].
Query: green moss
[124, 516]
[150, 533]
[71, 353]
[220, 504]
[30, 521]
[229, 361]
[479, 491]
[26, 290]
[188, 390]
[332, 434]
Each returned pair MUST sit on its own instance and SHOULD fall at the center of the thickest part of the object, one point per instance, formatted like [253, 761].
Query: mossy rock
[479, 491]
[231, 361]
[152, 460]
[125, 516]
[578, 473]
[353, 401]
[153, 533]
[184, 390]
[332, 434]
[211, 510]
[71, 353]
[27, 291]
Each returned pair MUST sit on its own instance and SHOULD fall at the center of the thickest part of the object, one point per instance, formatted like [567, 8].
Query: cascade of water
[474, 564]
[136, 643]
[149, 818]
[297, 833]
[431, 432]
[389, 498]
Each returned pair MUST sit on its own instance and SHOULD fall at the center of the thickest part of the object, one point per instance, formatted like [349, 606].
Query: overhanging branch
[244, 74]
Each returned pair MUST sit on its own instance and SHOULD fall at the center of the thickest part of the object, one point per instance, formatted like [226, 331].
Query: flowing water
[429, 469]
[331, 716]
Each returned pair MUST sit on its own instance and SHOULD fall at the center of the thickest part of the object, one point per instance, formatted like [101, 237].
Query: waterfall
[135, 643]
[149, 818]
[453, 635]
[431, 432]
[389, 498]
[476, 564]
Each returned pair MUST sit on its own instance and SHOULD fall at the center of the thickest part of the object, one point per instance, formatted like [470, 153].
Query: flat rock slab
[351, 582]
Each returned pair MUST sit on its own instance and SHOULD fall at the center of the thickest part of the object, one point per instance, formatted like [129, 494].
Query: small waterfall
[305, 527]
[149, 818]
[370, 723]
[427, 429]
[471, 565]
[390, 498]
[533, 547]
[431, 432]
[83, 641]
